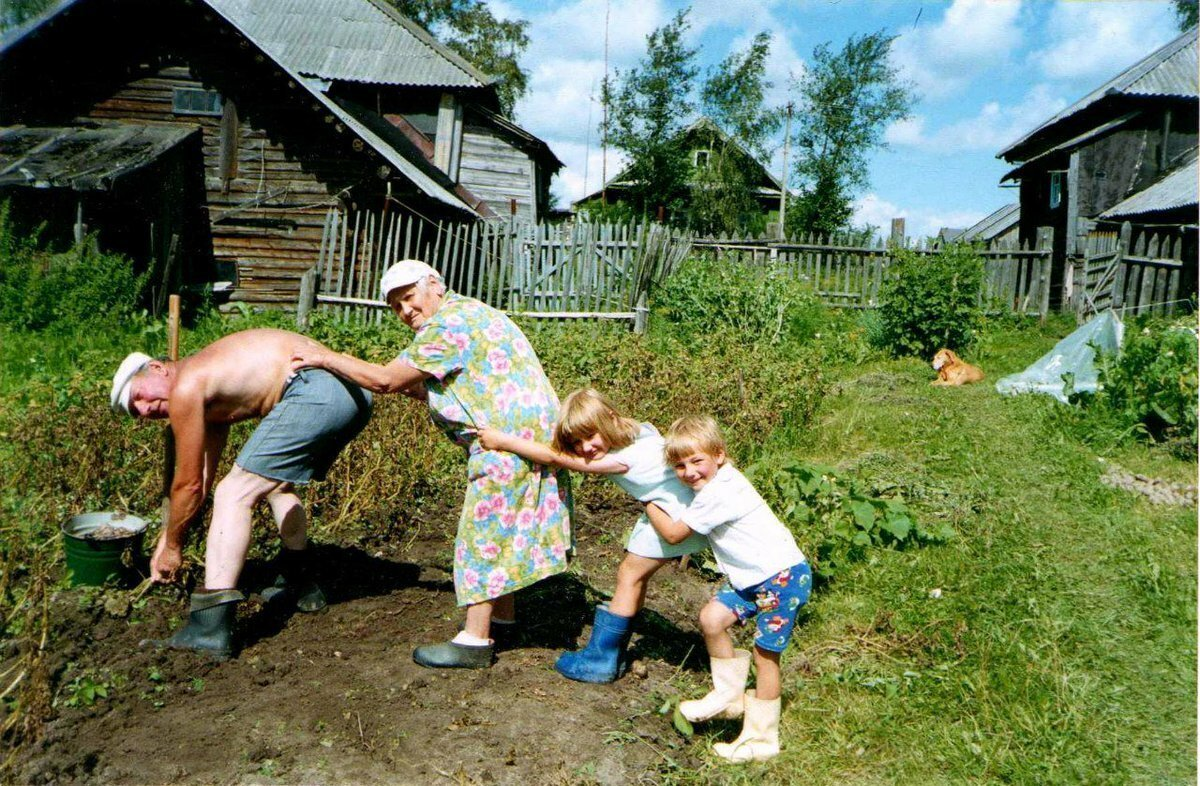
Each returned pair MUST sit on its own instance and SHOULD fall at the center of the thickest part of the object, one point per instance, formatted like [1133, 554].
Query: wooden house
[267, 114]
[1119, 140]
[700, 139]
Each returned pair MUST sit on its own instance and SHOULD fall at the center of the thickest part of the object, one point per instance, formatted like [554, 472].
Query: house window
[700, 158]
[1055, 189]
[192, 101]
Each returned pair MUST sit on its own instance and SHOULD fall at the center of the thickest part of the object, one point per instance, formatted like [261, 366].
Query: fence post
[308, 297]
[898, 232]
[1118, 284]
[1045, 243]
[641, 314]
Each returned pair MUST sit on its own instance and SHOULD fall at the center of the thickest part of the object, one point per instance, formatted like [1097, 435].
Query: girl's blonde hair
[586, 412]
[692, 434]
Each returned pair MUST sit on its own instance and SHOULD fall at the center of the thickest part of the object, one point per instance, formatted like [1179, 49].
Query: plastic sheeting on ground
[1073, 355]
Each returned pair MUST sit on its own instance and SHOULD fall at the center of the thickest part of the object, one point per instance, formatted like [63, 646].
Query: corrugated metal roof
[350, 40]
[996, 224]
[81, 158]
[1171, 71]
[1180, 188]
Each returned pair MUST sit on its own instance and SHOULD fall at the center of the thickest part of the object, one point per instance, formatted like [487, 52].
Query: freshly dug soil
[109, 532]
[335, 698]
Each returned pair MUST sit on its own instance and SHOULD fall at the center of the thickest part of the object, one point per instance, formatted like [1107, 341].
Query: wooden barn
[1114, 143]
[699, 139]
[242, 124]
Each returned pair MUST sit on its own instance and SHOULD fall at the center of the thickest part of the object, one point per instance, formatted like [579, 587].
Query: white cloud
[582, 161]
[875, 211]
[992, 128]
[1097, 40]
[973, 37]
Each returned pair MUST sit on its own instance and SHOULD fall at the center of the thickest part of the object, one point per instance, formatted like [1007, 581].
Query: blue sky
[986, 71]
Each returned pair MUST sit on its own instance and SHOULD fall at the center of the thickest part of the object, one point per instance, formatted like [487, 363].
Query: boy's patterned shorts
[775, 602]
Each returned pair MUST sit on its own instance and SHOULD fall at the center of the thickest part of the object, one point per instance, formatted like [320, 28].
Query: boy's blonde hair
[693, 434]
[586, 412]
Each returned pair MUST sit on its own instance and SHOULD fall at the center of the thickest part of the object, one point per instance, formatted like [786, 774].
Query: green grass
[1063, 646]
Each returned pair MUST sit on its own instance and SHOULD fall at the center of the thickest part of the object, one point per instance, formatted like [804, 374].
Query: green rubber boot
[295, 582]
[209, 628]
[449, 655]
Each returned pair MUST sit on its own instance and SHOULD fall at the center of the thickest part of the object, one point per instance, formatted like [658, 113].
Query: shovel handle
[169, 437]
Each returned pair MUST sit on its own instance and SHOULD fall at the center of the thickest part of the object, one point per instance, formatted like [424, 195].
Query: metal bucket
[93, 561]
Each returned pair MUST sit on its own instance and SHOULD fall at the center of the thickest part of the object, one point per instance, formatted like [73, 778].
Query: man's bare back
[242, 375]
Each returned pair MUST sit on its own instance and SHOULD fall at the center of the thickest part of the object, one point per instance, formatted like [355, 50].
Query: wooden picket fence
[604, 272]
[1137, 273]
[577, 271]
[849, 274]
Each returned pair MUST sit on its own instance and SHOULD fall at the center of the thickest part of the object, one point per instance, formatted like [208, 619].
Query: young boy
[767, 574]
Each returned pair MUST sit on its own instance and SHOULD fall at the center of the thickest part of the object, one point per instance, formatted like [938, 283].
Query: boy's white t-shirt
[750, 543]
[649, 479]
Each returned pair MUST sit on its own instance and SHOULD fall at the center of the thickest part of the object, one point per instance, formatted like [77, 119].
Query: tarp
[1073, 355]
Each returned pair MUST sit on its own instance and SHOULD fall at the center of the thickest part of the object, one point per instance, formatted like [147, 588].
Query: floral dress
[515, 526]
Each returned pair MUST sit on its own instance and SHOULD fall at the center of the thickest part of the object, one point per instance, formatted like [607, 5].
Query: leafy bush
[930, 301]
[1151, 386]
[83, 285]
[706, 296]
[833, 518]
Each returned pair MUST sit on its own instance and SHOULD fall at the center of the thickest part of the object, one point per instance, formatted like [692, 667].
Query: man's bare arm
[668, 529]
[214, 444]
[192, 468]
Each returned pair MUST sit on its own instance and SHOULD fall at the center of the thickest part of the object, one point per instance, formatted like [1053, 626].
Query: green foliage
[1187, 12]
[705, 296]
[1150, 389]
[734, 96]
[647, 109]
[80, 286]
[930, 301]
[85, 690]
[723, 194]
[833, 517]
[846, 101]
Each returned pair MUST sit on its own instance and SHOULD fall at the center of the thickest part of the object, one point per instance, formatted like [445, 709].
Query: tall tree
[1187, 12]
[14, 13]
[647, 110]
[846, 99]
[734, 99]
[469, 27]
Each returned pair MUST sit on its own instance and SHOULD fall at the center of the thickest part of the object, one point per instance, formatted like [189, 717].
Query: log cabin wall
[496, 171]
[266, 204]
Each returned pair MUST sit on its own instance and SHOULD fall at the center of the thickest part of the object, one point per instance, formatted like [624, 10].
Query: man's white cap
[118, 399]
[403, 273]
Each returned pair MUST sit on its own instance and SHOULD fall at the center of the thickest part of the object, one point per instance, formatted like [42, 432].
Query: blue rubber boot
[603, 659]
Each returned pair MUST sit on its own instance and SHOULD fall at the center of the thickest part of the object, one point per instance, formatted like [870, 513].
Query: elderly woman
[475, 368]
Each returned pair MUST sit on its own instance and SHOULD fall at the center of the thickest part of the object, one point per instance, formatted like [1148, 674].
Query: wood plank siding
[266, 220]
[497, 172]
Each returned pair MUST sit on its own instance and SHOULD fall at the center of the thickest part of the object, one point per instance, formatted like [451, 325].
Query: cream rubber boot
[725, 699]
[759, 739]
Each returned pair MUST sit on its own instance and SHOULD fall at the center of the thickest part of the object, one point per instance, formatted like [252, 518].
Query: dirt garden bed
[336, 698]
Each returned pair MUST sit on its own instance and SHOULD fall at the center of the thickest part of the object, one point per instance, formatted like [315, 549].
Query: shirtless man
[307, 418]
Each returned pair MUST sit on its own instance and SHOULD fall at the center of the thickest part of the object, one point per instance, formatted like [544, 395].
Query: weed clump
[930, 301]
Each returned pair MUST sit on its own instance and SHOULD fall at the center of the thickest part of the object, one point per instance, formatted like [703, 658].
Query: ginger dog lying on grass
[952, 370]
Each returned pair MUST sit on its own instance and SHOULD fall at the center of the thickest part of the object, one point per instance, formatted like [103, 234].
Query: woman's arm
[395, 377]
[668, 529]
[493, 439]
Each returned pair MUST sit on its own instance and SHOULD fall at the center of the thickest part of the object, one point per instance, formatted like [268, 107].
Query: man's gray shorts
[301, 436]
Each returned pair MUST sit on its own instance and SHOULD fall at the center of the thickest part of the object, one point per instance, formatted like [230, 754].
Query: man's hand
[492, 439]
[311, 355]
[164, 565]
